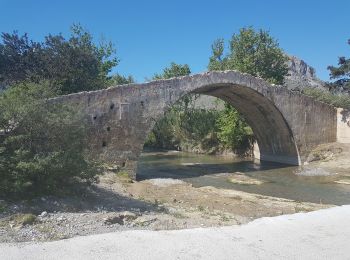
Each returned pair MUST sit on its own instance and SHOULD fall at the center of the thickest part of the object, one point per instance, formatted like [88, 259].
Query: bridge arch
[273, 134]
[288, 125]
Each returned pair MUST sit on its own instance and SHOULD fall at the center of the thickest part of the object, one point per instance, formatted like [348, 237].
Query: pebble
[61, 218]
[43, 214]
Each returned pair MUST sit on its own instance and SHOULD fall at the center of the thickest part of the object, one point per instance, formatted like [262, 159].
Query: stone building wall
[343, 125]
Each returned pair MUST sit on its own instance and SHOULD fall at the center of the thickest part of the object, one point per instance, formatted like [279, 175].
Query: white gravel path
[323, 234]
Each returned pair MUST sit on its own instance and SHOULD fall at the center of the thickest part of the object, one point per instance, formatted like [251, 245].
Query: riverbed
[177, 190]
[277, 180]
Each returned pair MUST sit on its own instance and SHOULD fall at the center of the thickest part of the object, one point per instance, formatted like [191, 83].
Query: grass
[156, 202]
[24, 219]
[178, 215]
[302, 208]
[2, 207]
[124, 176]
[45, 229]
[51, 233]
[19, 220]
[224, 218]
[142, 198]
[201, 208]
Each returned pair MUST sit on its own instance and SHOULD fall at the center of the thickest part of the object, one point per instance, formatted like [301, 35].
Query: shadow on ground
[91, 199]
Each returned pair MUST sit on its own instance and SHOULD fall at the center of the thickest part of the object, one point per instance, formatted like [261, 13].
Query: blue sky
[150, 34]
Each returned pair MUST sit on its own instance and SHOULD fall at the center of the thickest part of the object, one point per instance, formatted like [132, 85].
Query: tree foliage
[174, 70]
[233, 131]
[167, 132]
[72, 65]
[253, 52]
[42, 146]
[184, 124]
[341, 73]
[187, 127]
[118, 79]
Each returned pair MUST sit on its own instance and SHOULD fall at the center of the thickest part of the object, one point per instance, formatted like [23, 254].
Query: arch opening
[273, 135]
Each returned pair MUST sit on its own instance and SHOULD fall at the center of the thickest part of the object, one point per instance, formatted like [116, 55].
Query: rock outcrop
[301, 75]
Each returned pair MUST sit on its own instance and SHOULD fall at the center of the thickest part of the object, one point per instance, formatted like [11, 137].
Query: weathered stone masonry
[287, 125]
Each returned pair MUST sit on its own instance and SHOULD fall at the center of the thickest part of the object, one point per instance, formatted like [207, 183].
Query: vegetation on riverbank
[43, 147]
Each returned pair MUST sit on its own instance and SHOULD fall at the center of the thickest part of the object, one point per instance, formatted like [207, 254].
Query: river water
[279, 180]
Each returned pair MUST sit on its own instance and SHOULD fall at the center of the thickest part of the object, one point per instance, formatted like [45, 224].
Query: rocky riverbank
[335, 156]
[117, 204]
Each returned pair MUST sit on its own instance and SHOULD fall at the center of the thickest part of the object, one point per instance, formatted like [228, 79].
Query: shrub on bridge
[341, 100]
[42, 146]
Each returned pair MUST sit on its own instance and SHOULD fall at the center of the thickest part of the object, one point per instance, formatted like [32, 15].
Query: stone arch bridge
[287, 125]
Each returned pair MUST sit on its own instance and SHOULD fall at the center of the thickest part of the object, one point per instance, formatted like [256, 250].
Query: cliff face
[301, 75]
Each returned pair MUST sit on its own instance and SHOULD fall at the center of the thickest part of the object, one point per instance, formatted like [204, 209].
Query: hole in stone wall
[142, 104]
[104, 144]
[94, 117]
[123, 164]
[111, 106]
[108, 128]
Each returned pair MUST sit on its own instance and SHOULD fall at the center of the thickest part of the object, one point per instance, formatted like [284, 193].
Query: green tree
[174, 70]
[167, 131]
[118, 79]
[233, 131]
[184, 126]
[42, 146]
[177, 70]
[72, 65]
[253, 52]
[341, 73]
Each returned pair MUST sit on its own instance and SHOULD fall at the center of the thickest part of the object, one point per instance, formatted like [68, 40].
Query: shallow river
[279, 180]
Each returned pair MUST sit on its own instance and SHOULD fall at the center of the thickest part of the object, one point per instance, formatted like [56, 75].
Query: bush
[340, 100]
[185, 126]
[164, 134]
[188, 127]
[42, 146]
[234, 133]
